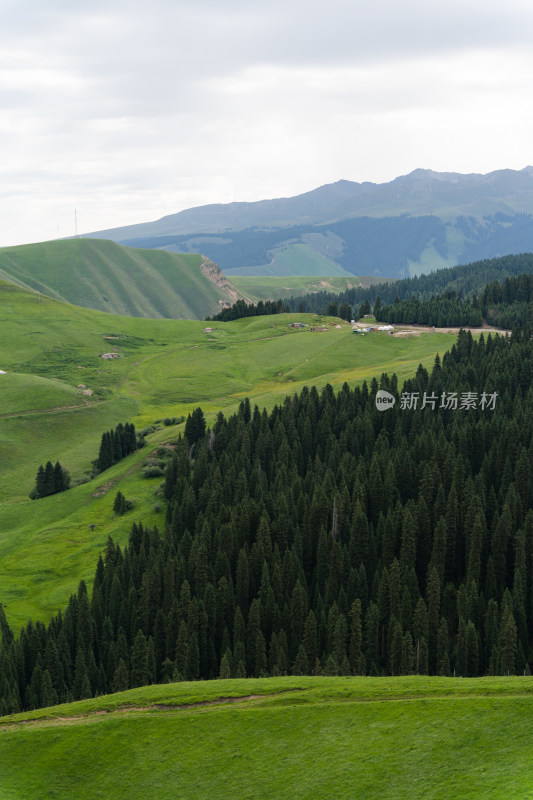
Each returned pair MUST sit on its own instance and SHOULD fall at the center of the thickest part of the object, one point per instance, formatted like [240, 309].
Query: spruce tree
[140, 670]
[40, 483]
[81, 687]
[48, 482]
[120, 677]
[119, 505]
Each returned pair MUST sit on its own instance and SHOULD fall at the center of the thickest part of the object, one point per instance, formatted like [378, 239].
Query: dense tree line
[115, 445]
[325, 537]
[49, 480]
[464, 281]
[195, 426]
[441, 311]
[509, 303]
[498, 289]
[241, 309]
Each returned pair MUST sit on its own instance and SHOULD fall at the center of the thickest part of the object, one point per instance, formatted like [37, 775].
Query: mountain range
[416, 223]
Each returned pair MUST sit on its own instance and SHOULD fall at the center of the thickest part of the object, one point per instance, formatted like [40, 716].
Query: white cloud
[128, 111]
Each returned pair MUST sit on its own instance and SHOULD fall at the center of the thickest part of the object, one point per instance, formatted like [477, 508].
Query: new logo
[384, 400]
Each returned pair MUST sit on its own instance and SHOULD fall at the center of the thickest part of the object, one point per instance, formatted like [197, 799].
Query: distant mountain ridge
[415, 223]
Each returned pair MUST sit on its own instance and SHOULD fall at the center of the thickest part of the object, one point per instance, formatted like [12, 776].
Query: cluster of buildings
[372, 329]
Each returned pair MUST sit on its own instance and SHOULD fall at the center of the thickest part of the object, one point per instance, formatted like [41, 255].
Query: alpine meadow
[267, 552]
[266, 400]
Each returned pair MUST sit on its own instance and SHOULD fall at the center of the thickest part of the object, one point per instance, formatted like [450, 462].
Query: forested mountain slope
[463, 281]
[325, 537]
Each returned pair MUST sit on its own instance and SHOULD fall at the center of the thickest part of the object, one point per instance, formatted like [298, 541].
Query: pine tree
[371, 633]
[192, 668]
[81, 687]
[356, 639]
[48, 693]
[507, 644]
[40, 483]
[59, 478]
[408, 657]
[140, 670]
[121, 677]
[225, 669]
[48, 482]
[395, 653]
[119, 505]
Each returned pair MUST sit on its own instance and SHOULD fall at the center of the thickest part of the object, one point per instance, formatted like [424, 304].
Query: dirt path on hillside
[52, 410]
[127, 709]
[430, 329]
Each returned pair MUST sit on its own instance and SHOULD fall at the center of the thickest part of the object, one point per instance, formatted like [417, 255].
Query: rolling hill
[120, 280]
[416, 223]
[302, 737]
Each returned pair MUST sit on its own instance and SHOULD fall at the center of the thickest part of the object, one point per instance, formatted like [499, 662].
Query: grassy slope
[110, 277]
[388, 738]
[166, 368]
[268, 287]
[289, 260]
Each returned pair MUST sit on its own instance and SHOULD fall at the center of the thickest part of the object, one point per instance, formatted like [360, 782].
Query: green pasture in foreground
[316, 738]
[164, 368]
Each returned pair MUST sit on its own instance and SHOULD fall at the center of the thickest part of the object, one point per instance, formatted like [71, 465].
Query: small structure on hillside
[108, 356]
[319, 328]
[297, 325]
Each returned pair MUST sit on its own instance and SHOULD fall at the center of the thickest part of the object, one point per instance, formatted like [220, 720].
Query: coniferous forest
[461, 281]
[50, 480]
[327, 537]
[116, 445]
[466, 298]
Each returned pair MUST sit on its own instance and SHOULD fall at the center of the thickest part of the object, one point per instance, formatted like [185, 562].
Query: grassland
[269, 287]
[290, 260]
[312, 738]
[163, 368]
[122, 280]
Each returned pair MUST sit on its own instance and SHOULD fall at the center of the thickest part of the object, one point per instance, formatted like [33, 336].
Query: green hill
[120, 280]
[312, 738]
[270, 287]
[162, 369]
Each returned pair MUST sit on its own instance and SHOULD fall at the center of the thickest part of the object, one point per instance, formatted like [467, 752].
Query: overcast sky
[127, 111]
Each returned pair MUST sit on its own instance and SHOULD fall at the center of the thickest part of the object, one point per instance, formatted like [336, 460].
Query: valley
[266, 401]
[164, 369]
[69, 374]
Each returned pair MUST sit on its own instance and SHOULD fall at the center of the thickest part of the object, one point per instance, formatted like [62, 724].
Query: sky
[115, 112]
